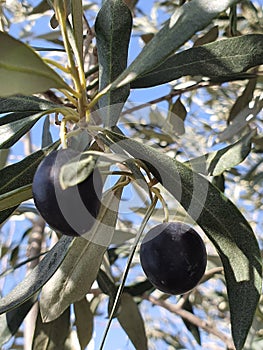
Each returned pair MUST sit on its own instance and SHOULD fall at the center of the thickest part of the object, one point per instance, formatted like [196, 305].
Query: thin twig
[168, 97]
[188, 316]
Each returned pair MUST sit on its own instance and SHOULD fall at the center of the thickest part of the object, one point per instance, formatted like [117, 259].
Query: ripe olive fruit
[71, 211]
[173, 257]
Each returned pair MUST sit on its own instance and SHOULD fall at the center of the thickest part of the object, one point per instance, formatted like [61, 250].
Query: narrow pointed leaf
[220, 60]
[15, 126]
[23, 71]
[191, 327]
[183, 24]
[13, 198]
[52, 335]
[243, 100]
[20, 103]
[215, 163]
[77, 19]
[223, 223]
[38, 277]
[20, 174]
[113, 29]
[26, 111]
[84, 322]
[46, 134]
[80, 268]
[208, 37]
[132, 322]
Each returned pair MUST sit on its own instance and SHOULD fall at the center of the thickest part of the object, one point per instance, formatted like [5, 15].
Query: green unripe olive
[173, 257]
[71, 211]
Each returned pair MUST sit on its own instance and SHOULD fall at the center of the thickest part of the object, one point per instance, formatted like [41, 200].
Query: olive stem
[127, 267]
[58, 65]
[63, 133]
[156, 191]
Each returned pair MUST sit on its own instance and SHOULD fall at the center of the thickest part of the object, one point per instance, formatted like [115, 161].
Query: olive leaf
[222, 60]
[132, 322]
[20, 103]
[23, 71]
[52, 335]
[16, 179]
[243, 100]
[215, 163]
[79, 270]
[12, 320]
[15, 197]
[222, 222]
[76, 171]
[84, 321]
[184, 23]
[46, 134]
[113, 28]
[77, 22]
[25, 112]
[33, 282]
[14, 126]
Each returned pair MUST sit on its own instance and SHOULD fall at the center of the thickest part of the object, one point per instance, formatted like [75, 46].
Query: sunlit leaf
[76, 171]
[113, 27]
[184, 23]
[14, 126]
[176, 117]
[222, 60]
[23, 71]
[79, 270]
[219, 218]
[215, 163]
[77, 19]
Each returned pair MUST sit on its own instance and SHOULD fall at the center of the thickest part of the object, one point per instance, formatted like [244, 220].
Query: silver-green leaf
[113, 29]
[221, 61]
[23, 71]
[79, 270]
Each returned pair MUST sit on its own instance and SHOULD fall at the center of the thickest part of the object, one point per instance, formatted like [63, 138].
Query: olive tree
[163, 99]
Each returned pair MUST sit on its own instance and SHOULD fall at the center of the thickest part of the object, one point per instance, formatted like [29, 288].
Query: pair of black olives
[71, 211]
[173, 255]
